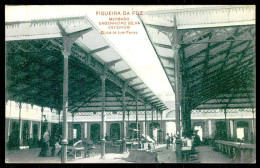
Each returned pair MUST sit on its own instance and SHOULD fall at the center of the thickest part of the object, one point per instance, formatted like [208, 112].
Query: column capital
[103, 76]
[66, 53]
[124, 86]
[123, 89]
[176, 47]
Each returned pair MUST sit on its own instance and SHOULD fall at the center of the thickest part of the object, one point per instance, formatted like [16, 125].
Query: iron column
[162, 132]
[225, 112]
[64, 141]
[124, 123]
[20, 124]
[103, 141]
[128, 113]
[67, 39]
[253, 112]
[137, 128]
[145, 121]
[72, 127]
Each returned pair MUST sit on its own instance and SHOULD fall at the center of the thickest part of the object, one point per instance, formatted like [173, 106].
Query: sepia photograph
[130, 84]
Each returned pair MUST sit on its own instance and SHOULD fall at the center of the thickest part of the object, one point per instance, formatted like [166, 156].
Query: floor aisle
[206, 155]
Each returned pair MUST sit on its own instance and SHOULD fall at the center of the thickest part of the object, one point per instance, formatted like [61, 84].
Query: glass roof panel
[97, 41]
[164, 51]
[120, 66]
[167, 63]
[108, 55]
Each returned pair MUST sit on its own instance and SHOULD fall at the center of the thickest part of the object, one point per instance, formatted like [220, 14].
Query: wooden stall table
[145, 145]
[129, 144]
[135, 145]
[245, 150]
[75, 148]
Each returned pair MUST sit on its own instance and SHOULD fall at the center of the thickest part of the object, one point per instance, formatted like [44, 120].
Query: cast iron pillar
[103, 141]
[20, 124]
[72, 126]
[67, 41]
[157, 116]
[40, 127]
[136, 110]
[145, 122]
[177, 102]
[152, 124]
[64, 141]
[225, 113]
[161, 128]
[158, 131]
[152, 116]
[253, 125]
[176, 46]
[124, 122]
[128, 114]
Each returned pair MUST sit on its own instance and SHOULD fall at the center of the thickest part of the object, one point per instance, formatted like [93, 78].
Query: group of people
[47, 141]
[191, 140]
[170, 139]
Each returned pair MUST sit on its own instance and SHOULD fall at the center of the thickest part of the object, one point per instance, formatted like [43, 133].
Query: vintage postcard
[130, 84]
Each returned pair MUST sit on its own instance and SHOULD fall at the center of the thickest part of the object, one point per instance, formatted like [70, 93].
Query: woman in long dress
[45, 144]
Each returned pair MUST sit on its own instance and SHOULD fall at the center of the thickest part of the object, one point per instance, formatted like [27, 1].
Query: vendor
[196, 141]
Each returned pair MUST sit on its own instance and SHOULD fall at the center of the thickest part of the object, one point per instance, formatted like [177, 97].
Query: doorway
[221, 130]
[199, 130]
[95, 133]
[242, 131]
[170, 128]
[25, 134]
[13, 142]
[154, 128]
[115, 131]
[35, 135]
[76, 132]
[133, 131]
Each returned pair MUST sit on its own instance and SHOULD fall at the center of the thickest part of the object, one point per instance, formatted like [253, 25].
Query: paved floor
[206, 155]
[166, 155]
[28, 156]
[31, 156]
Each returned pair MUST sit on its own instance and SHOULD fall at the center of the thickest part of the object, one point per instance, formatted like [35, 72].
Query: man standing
[171, 138]
[167, 139]
[45, 144]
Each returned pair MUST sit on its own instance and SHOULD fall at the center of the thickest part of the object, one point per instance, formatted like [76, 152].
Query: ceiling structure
[216, 54]
[34, 68]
